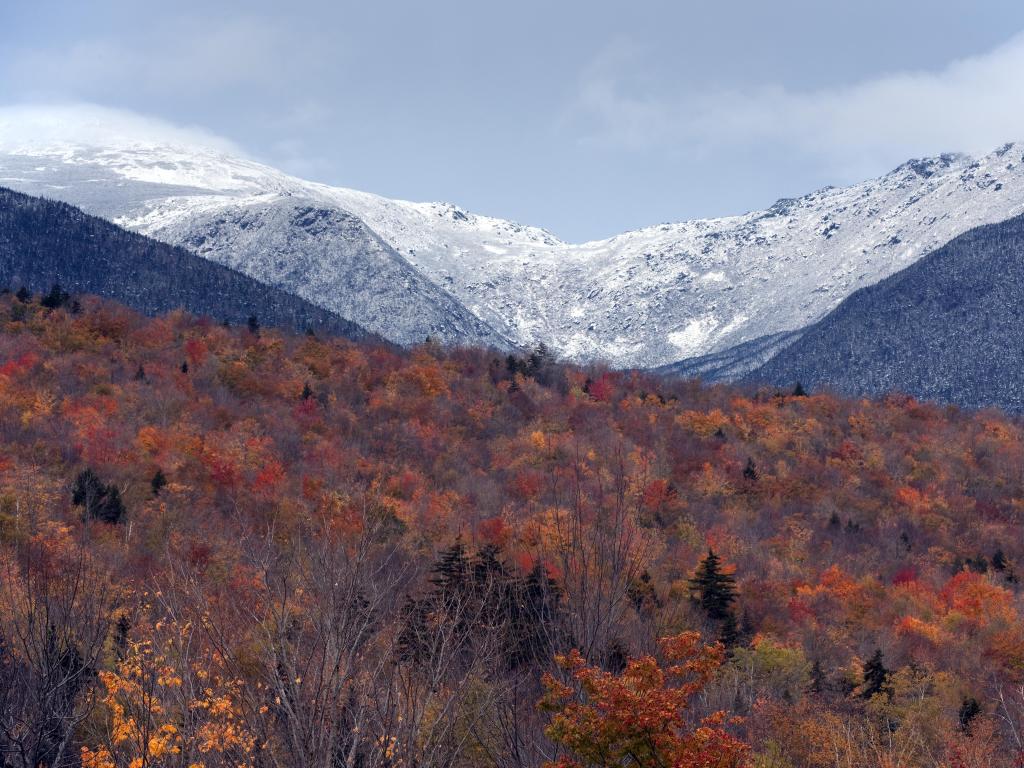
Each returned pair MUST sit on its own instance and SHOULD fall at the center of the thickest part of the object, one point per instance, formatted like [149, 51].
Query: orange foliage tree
[640, 716]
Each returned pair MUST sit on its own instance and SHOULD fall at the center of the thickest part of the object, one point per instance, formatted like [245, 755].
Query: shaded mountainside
[43, 242]
[949, 328]
[733, 363]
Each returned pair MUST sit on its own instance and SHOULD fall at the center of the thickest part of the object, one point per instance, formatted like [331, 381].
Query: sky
[587, 118]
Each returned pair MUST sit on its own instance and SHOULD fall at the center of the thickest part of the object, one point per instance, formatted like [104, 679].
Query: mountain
[646, 298]
[43, 242]
[948, 328]
[258, 222]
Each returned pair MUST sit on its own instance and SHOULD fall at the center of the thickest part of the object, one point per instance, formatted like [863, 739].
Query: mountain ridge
[646, 298]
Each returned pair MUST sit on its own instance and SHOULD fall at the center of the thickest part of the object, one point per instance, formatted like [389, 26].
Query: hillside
[295, 549]
[949, 328]
[43, 242]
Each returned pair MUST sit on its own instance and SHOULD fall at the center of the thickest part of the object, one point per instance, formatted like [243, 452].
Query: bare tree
[57, 604]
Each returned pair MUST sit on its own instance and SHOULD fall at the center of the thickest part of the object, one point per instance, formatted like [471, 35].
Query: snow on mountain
[642, 298]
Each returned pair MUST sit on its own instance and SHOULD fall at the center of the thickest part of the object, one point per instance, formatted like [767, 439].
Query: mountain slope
[43, 242]
[258, 222]
[645, 298]
[948, 328]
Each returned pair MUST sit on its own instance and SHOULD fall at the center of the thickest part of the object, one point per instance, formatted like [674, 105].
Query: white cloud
[972, 104]
[35, 126]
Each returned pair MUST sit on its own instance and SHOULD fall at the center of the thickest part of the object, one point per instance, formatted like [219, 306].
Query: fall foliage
[235, 546]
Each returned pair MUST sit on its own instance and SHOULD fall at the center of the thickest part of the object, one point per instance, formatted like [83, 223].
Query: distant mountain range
[835, 289]
[44, 242]
[647, 298]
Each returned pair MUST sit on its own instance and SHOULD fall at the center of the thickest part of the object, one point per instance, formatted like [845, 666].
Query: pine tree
[111, 509]
[184, 366]
[729, 634]
[55, 298]
[818, 680]
[450, 574]
[307, 391]
[875, 675]
[715, 590]
[254, 325]
[750, 471]
[121, 630]
[100, 502]
[969, 709]
[999, 560]
[158, 482]
[799, 391]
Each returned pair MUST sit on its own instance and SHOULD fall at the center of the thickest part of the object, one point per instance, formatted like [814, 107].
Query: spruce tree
[818, 680]
[799, 391]
[875, 675]
[158, 482]
[969, 709]
[450, 574]
[99, 501]
[714, 590]
[729, 634]
[999, 560]
[55, 298]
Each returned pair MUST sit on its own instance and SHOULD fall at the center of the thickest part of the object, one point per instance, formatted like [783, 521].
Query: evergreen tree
[799, 391]
[999, 560]
[969, 709]
[714, 590]
[307, 391]
[140, 374]
[875, 675]
[818, 680]
[87, 491]
[121, 630]
[729, 634]
[184, 366]
[24, 295]
[750, 471]
[111, 509]
[99, 501]
[450, 574]
[254, 325]
[158, 482]
[55, 298]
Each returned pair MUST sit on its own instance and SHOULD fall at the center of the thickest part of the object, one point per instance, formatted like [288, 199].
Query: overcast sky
[587, 117]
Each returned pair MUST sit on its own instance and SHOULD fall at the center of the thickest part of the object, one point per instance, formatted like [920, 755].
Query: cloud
[176, 59]
[34, 126]
[972, 104]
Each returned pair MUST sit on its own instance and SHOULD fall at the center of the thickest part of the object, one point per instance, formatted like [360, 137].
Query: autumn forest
[235, 546]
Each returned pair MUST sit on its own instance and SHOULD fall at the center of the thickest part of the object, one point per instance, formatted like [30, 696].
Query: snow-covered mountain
[643, 298]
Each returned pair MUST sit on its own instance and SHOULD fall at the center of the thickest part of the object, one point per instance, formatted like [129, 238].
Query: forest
[237, 546]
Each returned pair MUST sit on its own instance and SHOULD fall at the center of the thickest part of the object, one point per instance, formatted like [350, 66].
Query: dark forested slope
[43, 242]
[949, 328]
